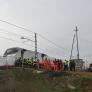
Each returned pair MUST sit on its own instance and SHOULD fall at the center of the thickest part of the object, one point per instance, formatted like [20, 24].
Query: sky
[54, 19]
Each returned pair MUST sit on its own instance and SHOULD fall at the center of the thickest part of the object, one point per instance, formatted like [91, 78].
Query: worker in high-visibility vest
[37, 64]
[49, 65]
[59, 62]
[66, 65]
[55, 66]
[61, 66]
[45, 64]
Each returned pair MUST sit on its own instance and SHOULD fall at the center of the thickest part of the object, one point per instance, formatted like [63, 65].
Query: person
[55, 66]
[32, 62]
[72, 65]
[59, 62]
[45, 64]
[49, 65]
[37, 64]
[61, 66]
[66, 65]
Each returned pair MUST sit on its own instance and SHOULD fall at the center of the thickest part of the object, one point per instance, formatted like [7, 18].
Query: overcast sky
[54, 19]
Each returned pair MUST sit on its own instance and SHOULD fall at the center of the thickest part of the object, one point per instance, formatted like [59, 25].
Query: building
[79, 64]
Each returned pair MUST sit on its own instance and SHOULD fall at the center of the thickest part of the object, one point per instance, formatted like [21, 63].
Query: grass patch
[18, 80]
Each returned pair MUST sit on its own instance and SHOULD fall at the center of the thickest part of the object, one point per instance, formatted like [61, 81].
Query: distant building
[79, 64]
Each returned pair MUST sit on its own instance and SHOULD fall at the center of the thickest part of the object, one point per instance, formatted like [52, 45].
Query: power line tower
[75, 37]
[79, 63]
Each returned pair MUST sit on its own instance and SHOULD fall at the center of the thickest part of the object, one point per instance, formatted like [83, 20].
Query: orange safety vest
[56, 67]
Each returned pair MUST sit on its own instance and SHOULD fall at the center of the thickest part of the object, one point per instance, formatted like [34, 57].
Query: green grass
[18, 80]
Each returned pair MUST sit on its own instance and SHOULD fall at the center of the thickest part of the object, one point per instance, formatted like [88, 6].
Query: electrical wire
[86, 40]
[52, 42]
[14, 40]
[16, 26]
[52, 48]
[34, 33]
[4, 31]
[25, 44]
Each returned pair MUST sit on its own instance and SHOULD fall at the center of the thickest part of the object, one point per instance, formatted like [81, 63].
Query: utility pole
[77, 43]
[72, 47]
[75, 35]
[35, 46]
[78, 62]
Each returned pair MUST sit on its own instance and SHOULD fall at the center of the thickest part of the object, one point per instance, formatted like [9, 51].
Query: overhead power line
[49, 52]
[53, 48]
[26, 44]
[12, 33]
[52, 42]
[14, 40]
[16, 26]
[34, 33]
[87, 41]
[60, 47]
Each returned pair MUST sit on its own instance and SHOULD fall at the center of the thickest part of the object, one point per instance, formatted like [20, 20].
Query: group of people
[57, 65]
[48, 65]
